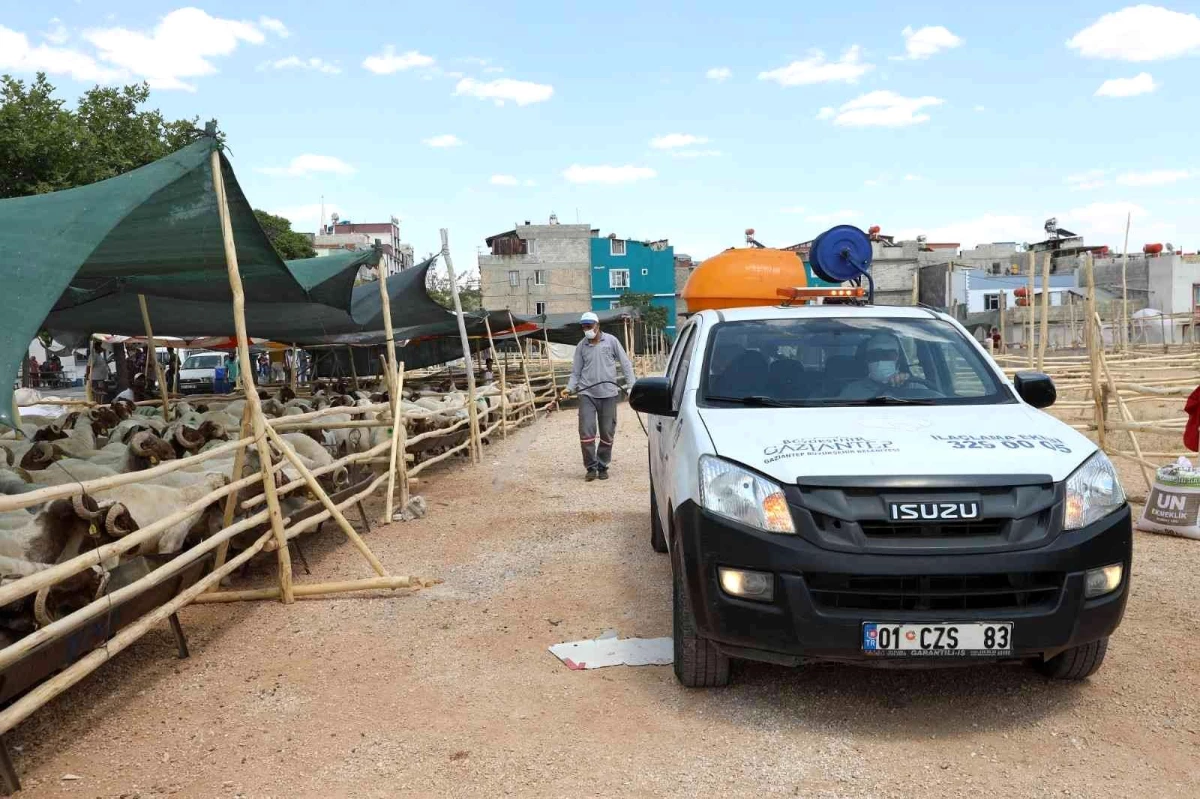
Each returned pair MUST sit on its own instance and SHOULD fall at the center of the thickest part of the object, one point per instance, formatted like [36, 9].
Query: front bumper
[800, 623]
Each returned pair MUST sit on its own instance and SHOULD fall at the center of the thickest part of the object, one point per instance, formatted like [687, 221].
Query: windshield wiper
[756, 400]
[884, 399]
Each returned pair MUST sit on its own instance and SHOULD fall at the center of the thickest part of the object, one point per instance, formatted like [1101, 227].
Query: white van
[863, 483]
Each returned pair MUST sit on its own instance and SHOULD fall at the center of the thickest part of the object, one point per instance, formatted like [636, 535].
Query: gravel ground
[450, 691]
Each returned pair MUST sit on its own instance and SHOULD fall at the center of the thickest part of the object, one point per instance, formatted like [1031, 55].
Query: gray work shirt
[596, 363]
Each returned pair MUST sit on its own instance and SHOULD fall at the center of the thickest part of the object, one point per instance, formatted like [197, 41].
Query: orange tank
[743, 277]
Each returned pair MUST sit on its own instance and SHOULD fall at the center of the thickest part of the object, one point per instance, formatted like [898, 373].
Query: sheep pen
[113, 517]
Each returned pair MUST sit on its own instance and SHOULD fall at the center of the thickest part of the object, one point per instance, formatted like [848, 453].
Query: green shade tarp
[154, 230]
[290, 323]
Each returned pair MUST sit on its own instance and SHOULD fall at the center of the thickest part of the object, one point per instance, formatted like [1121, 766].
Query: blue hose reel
[843, 254]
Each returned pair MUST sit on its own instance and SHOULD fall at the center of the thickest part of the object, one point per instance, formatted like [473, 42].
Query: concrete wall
[658, 280]
[561, 252]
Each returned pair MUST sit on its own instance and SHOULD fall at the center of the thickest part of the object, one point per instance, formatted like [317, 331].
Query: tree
[46, 146]
[653, 316]
[287, 242]
[469, 293]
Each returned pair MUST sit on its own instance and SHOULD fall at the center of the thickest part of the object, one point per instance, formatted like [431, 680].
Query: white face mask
[591, 334]
[880, 371]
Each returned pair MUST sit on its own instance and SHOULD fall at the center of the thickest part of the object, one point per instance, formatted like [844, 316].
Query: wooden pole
[295, 381]
[152, 353]
[1071, 312]
[1126, 415]
[503, 402]
[329, 504]
[353, 368]
[1003, 313]
[916, 289]
[1125, 285]
[1041, 364]
[524, 369]
[315, 589]
[1090, 331]
[87, 375]
[550, 362]
[472, 409]
[1029, 311]
[398, 433]
[257, 420]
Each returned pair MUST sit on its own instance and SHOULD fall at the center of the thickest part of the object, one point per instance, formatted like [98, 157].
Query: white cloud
[980, 108]
[792, 209]
[57, 35]
[275, 26]
[490, 71]
[179, 47]
[881, 109]
[529, 182]
[519, 91]
[313, 64]
[444, 140]
[1155, 177]
[672, 141]
[17, 55]
[872, 182]
[1103, 223]
[388, 61]
[835, 217]
[928, 41]
[1091, 179]
[608, 174]
[309, 164]
[719, 74]
[1139, 33]
[815, 69]
[1142, 83]
[695, 153]
[913, 177]
[504, 180]
[980, 230]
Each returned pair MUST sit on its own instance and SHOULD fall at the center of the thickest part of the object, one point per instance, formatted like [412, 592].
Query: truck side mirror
[652, 395]
[1035, 388]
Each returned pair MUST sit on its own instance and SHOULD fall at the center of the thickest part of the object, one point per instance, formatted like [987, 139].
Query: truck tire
[658, 540]
[698, 664]
[1077, 663]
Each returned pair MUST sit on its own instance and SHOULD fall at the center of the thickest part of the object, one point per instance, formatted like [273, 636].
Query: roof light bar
[806, 293]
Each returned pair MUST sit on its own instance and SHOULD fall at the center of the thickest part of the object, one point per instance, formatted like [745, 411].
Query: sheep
[137, 505]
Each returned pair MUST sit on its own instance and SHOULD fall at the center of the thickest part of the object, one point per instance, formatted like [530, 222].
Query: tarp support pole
[1041, 358]
[87, 374]
[394, 382]
[295, 382]
[231, 501]
[152, 352]
[255, 405]
[472, 409]
[353, 368]
[503, 393]
[524, 369]
[550, 365]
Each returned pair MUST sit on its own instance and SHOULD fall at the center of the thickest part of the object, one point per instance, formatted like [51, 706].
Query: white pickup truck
[863, 483]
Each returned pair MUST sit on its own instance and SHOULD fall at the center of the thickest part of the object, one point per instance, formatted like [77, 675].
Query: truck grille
[986, 527]
[934, 592]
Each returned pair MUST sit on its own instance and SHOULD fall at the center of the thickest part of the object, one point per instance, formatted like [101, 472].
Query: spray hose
[621, 388]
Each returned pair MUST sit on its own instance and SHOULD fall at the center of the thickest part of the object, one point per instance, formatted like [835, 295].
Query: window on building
[616, 246]
[618, 278]
[645, 272]
[514, 278]
[539, 307]
[531, 247]
[614, 304]
[991, 302]
[539, 277]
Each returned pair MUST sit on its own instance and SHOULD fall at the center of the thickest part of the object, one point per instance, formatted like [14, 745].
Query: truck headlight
[736, 493]
[1093, 492]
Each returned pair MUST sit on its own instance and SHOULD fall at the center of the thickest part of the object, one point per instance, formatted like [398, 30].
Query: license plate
[938, 640]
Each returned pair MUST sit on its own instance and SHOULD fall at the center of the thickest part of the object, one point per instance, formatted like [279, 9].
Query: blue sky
[687, 121]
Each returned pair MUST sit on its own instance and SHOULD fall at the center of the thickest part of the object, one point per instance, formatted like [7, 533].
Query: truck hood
[197, 374]
[791, 444]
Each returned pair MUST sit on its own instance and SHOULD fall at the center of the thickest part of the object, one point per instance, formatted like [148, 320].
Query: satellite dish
[841, 253]
[1170, 247]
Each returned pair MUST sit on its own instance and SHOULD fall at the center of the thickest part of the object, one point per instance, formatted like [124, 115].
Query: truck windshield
[845, 362]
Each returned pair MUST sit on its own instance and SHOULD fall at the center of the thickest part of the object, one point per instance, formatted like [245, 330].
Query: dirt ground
[450, 691]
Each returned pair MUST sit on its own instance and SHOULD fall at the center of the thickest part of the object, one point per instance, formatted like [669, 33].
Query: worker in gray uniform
[594, 378]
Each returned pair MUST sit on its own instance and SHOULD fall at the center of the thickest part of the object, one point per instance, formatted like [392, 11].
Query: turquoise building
[621, 265]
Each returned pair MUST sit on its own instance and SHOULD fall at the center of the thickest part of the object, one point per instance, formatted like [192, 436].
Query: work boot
[604, 474]
[591, 475]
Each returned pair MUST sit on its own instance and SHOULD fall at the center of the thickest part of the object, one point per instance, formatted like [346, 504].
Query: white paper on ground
[601, 652]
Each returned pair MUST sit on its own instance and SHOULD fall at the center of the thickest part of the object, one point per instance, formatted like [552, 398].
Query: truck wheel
[658, 541]
[698, 664]
[1077, 663]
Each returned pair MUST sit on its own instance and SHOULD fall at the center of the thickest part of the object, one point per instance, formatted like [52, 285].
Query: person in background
[98, 364]
[995, 339]
[172, 370]
[594, 377]
[487, 371]
[232, 370]
[35, 372]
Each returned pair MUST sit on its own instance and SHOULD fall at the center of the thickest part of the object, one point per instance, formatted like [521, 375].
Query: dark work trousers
[597, 426]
